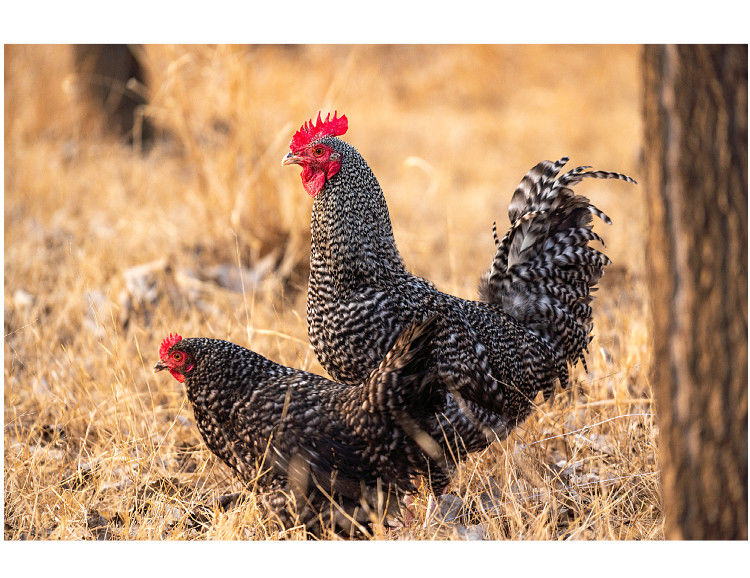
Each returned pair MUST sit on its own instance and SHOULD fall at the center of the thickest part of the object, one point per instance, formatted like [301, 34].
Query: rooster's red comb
[169, 342]
[310, 131]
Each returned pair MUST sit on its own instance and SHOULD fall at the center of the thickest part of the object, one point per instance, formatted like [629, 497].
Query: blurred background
[176, 215]
[448, 130]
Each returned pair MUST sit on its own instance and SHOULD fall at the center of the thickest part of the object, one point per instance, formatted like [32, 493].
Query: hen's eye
[177, 356]
[317, 151]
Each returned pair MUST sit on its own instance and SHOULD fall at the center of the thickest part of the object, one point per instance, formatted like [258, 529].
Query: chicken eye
[317, 151]
[177, 356]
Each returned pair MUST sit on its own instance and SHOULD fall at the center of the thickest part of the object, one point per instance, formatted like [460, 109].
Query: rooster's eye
[317, 151]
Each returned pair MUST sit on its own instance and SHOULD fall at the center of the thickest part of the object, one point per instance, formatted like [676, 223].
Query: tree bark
[107, 71]
[695, 119]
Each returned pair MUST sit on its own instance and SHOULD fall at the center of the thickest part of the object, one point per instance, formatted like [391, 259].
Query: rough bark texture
[695, 118]
[106, 71]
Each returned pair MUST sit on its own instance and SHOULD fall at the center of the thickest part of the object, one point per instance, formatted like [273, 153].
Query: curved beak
[159, 366]
[291, 159]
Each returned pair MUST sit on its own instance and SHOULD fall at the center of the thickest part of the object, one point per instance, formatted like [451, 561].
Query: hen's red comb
[310, 132]
[169, 342]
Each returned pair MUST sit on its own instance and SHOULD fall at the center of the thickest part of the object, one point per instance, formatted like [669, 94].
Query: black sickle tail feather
[544, 270]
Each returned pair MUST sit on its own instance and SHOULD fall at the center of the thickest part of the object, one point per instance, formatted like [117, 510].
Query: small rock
[23, 299]
[587, 479]
[183, 421]
[172, 514]
[141, 280]
[567, 470]
[117, 486]
[98, 525]
[473, 532]
[448, 509]
[238, 279]
[82, 476]
[233, 278]
[595, 441]
[228, 501]
[489, 502]
[143, 287]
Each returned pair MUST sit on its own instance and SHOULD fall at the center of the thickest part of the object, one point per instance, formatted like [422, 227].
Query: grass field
[109, 248]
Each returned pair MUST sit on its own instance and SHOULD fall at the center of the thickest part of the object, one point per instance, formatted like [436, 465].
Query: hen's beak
[160, 366]
[291, 159]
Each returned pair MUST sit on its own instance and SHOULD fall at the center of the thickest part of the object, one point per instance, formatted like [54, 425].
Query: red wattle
[314, 182]
[333, 168]
[177, 375]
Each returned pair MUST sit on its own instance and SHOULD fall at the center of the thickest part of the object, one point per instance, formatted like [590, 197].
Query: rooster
[493, 355]
[327, 453]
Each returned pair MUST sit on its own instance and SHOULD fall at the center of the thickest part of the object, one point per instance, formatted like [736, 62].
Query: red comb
[310, 132]
[169, 342]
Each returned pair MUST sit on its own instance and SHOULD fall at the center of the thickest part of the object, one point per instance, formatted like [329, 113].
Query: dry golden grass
[97, 446]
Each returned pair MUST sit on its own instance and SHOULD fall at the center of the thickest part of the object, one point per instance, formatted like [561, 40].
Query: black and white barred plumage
[544, 270]
[493, 355]
[322, 452]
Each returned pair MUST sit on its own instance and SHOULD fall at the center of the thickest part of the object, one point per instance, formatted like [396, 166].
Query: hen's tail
[544, 269]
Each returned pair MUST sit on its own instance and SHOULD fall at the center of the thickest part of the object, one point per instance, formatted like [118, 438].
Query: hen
[329, 454]
[494, 355]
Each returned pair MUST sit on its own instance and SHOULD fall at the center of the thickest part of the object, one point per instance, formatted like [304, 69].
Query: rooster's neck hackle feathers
[351, 226]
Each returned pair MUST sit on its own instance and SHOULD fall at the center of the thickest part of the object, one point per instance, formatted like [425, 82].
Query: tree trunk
[695, 118]
[107, 71]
